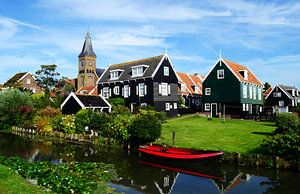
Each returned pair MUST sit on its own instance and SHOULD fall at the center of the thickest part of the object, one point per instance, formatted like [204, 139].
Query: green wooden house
[232, 89]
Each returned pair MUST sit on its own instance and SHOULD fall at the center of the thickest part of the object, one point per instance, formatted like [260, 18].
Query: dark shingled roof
[87, 49]
[14, 79]
[99, 72]
[288, 87]
[152, 62]
[92, 101]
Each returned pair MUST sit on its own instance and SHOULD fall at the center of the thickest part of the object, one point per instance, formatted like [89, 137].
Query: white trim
[211, 110]
[286, 93]
[255, 77]
[24, 76]
[140, 66]
[105, 101]
[103, 73]
[72, 94]
[166, 56]
[91, 92]
[218, 74]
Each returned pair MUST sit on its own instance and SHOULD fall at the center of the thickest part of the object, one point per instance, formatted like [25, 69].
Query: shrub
[12, 106]
[287, 122]
[146, 127]
[283, 145]
[68, 124]
[82, 119]
[116, 110]
[57, 122]
[117, 101]
[43, 124]
[119, 125]
[48, 112]
[99, 122]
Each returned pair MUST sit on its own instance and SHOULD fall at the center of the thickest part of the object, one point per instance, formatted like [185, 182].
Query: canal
[143, 175]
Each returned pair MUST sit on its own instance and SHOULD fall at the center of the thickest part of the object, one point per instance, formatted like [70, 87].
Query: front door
[214, 110]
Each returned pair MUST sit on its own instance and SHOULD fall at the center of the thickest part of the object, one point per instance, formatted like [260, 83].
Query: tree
[266, 86]
[46, 77]
[14, 105]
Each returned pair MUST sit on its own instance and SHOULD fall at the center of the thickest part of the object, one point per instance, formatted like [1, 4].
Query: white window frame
[142, 89]
[183, 87]
[126, 91]
[167, 106]
[245, 88]
[116, 90]
[166, 71]
[281, 103]
[143, 104]
[106, 92]
[207, 91]
[28, 81]
[175, 105]
[197, 89]
[259, 94]
[138, 71]
[207, 107]
[164, 89]
[220, 74]
[254, 93]
[250, 92]
[244, 107]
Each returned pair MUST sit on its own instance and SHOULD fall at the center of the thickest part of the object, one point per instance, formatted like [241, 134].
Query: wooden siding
[274, 101]
[71, 107]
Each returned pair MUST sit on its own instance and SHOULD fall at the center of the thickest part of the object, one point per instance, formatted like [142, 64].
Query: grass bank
[198, 132]
[11, 182]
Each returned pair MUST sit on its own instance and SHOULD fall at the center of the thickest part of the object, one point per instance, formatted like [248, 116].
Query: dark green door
[214, 110]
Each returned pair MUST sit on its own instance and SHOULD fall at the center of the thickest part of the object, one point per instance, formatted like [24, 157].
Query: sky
[262, 35]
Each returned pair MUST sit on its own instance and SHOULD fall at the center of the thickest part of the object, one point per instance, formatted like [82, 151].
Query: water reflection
[140, 175]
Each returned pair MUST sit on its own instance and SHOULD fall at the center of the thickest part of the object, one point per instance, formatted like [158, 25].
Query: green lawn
[200, 133]
[11, 183]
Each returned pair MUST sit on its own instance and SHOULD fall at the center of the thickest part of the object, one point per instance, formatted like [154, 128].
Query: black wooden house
[145, 82]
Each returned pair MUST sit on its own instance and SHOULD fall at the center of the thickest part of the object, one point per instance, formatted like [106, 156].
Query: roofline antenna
[166, 52]
[220, 57]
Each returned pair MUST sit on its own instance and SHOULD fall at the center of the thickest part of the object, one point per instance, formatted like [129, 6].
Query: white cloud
[130, 10]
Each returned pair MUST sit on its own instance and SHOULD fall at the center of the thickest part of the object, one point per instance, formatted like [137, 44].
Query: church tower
[87, 73]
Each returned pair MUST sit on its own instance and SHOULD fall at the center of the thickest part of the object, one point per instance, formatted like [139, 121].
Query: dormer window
[197, 89]
[183, 87]
[244, 73]
[138, 70]
[115, 74]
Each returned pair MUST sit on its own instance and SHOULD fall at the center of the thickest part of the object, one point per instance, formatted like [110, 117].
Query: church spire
[87, 49]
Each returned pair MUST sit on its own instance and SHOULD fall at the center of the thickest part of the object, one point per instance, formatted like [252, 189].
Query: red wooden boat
[178, 153]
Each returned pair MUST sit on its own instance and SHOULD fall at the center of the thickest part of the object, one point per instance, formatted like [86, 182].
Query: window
[245, 91]
[244, 107]
[28, 81]
[143, 104]
[277, 94]
[254, 93]
[167, 106]
[142, 89]
[207, 91]
[250, 92]
[126, 91]
[164, 89]
[115, 74]
[220, 74]
[244, 73]
[197, 89]
[259, 94]
[166, 71]
[281, 103]
[106, 92]
[183, 87]
[175, 105]
[137, 71]
[207, 107]
[116, 90]
[247, 107]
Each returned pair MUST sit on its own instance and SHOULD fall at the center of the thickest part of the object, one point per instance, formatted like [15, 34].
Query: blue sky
[263, 35]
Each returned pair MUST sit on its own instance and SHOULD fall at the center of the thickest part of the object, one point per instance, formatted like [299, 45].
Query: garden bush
[43, 124]
[117, 101]
[284, 145]
[48, 112]
[287, 122]
[118, 127]
[68, 124]
[12, 108]
[82, 119]
[146, 127]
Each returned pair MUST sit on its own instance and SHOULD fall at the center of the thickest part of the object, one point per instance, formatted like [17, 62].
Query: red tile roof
[267, 92]
[88, 90]
[190, 81]
[237, 67]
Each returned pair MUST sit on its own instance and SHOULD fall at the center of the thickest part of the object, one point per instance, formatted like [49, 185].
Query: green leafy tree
[13, 105]
[266, 86]
[47, 77]
[181, 102]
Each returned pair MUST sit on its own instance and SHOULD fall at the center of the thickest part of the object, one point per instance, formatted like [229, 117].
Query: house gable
[158, 74]
[222, 90]
[278, 94]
